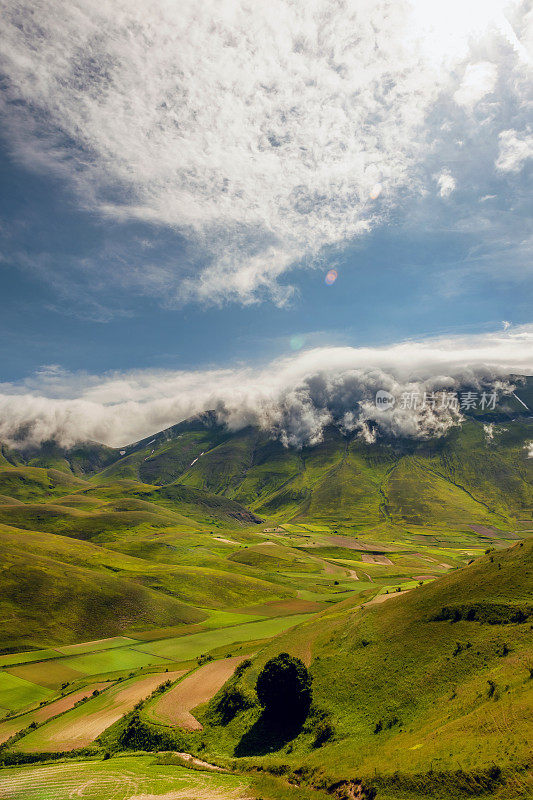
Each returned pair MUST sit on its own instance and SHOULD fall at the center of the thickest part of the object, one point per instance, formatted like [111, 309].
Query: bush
[232, 700]
[141, 735]
[242, 667]
[284, 688]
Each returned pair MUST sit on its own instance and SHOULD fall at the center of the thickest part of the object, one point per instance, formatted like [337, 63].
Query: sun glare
[446, 30]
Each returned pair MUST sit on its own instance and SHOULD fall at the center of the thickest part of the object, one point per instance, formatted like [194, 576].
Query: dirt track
[175, 706]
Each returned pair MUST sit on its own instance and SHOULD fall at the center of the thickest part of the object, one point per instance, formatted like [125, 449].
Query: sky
[189, 188]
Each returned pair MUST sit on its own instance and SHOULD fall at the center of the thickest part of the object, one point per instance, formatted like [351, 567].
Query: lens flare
[376, 191]
[331, 277]
[297, 342]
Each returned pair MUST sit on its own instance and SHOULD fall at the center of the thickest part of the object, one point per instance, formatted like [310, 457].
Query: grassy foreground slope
[432, 682]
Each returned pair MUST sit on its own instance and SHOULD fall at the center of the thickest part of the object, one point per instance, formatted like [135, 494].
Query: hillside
[415, 688]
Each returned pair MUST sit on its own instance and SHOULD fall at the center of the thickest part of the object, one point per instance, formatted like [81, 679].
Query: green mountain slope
[417, 688]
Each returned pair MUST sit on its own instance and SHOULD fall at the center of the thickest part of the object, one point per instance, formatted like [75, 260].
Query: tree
[284, 688]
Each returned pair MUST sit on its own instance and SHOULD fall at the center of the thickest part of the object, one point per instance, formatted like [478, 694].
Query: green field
[95, 646]
[443, 714]
[184, 648]
[27, 657]
[112, 661]
[17, 694]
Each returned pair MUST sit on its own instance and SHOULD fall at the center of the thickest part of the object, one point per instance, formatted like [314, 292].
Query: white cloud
[479, 79]
[258, 131]
[293, 397]
[515, 149]
[446, 183]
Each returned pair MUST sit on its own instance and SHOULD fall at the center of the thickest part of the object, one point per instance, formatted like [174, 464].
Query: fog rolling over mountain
[294, 397]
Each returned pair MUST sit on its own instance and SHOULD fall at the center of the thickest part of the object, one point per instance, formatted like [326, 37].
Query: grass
[50, 674]
[27, 657]
[122, 550]
[472, 712]
[97, 644]
[84, 723]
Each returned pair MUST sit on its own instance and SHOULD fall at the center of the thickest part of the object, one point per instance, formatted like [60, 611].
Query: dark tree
[284, 688]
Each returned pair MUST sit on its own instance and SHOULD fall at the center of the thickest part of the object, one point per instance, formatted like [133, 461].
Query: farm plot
[17, 694]
[186, 647]
[112, 660]
[374, 559]
[174, 707]
[50, 674]
[9, 727]
[27, 657]
[122, 778]
[82, 725]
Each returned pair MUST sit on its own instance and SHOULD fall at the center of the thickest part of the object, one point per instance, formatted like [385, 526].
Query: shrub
[232, 700]
[284, 688]
[141, 735]
[242, 667]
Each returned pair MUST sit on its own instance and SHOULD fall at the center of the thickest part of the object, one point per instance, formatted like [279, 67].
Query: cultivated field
[184, 648]
[174, 707]
[120, 778]
[9, 727]
[81, 726]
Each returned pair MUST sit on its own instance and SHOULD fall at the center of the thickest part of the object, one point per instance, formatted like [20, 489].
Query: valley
[135, 582]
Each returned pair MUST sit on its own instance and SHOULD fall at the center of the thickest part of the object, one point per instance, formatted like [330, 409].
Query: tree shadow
[267, 735]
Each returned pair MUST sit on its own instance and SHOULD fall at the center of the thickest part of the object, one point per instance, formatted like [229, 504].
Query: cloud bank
[293, 398]
[259, 131]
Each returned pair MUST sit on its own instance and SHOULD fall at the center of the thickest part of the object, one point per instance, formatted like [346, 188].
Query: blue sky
[398, 281]
[175, 186]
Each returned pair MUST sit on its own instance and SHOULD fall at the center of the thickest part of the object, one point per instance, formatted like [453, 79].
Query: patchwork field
[113, 660]
[184, 648]
[121, 571]
[9, 727]
[17, 694]
[81, 726]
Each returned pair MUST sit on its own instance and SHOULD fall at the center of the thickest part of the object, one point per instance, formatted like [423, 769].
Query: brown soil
[175, 706]
[371, 559]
